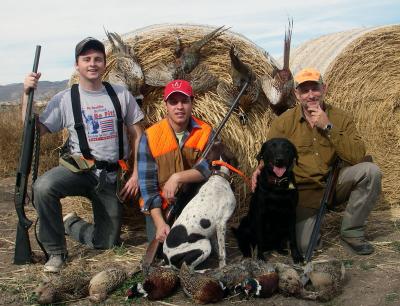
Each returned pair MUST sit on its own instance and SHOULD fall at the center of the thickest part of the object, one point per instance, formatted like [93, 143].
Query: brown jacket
[317, 149]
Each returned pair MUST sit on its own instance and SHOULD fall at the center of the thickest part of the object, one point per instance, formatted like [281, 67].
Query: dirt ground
[370, 280]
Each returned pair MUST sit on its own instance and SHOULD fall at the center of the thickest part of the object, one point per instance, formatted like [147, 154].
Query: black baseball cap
[89, 43]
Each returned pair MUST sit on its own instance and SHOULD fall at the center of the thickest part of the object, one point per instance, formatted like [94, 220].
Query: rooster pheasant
[240, 73]
[280, 88]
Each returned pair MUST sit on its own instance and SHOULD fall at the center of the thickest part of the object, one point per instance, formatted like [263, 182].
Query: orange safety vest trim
[162, 140]
[167, 154]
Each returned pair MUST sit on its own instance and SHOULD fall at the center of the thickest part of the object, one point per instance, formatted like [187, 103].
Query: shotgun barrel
[23, 252]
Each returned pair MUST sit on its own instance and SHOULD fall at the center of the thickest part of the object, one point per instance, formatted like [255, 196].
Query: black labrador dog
[271, 220]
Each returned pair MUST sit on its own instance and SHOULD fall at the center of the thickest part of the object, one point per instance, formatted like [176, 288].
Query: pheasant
[279, 87]
[326, 278]
[159, 283]
[240, 73]
[187, 58]
[124, 67]
[289, 280]
[262, 286]
[262, 281]
[69, 285]
[231, 275]
[201, 288]
[105, 282]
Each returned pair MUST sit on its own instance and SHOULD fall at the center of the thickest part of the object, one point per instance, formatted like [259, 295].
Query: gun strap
[80, 128]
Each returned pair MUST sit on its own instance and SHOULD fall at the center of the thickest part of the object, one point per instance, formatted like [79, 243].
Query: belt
[104, 165]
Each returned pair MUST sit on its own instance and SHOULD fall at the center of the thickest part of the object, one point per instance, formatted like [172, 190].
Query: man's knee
[42, 186]
[373, 171]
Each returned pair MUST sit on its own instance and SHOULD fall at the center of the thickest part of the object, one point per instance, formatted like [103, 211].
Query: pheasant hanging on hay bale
[126, 68]
[241, 73]
[188, 58]
[280, 88]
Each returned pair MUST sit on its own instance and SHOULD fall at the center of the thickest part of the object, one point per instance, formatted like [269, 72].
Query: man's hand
[318, 117]
[31, 81]
[255, 175]
[171, 187]
[254, 178]
[131, 187]
[162, 232]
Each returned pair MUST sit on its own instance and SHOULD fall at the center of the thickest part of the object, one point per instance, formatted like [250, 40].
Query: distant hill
[46, 89]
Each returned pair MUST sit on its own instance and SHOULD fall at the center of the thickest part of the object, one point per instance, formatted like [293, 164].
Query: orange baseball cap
[307, 74]
[181, 86]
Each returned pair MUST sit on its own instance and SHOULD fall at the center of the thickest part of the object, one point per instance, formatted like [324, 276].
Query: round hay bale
[154, 47]
[322, 51]
[363, 78]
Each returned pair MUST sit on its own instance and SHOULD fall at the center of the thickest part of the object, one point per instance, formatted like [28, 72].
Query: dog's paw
[297, 258]
[283, 252]
[222, 264]
[261, 256]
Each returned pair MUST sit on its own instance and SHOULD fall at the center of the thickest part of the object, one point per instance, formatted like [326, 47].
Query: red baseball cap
[181, 86]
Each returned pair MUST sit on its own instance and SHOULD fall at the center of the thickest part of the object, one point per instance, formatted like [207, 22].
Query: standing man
[321, 132]
[105, 145]
[168, 156]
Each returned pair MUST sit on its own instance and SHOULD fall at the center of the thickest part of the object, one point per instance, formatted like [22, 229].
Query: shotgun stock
[23, 252]
[174, 209]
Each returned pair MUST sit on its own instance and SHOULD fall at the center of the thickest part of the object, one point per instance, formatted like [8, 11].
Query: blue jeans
[59, 183]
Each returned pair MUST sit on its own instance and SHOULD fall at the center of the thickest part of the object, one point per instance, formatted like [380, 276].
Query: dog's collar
[280, 182]
[222, 174]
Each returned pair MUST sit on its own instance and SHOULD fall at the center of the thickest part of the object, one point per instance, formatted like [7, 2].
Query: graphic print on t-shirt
[99, 122]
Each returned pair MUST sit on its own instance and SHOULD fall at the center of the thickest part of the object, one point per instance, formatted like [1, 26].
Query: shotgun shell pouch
[76, 163]
[123, 175]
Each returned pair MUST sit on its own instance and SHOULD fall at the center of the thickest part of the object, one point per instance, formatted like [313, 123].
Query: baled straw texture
[154, 47]
[361, 68]
[365, 80]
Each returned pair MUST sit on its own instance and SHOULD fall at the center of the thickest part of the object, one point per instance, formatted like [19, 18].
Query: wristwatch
[328, 127]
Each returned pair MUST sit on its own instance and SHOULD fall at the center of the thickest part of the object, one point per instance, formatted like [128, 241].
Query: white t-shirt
[99, 118]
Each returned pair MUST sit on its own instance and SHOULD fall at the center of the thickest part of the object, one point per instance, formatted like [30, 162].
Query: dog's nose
[279, 161]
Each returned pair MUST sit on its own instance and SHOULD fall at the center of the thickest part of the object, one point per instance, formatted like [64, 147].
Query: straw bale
[322, 51]
[154, 48]
[363, 78]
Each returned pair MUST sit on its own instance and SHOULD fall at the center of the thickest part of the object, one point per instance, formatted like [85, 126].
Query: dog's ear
[261, 154]
[229, 157]
[215, 151]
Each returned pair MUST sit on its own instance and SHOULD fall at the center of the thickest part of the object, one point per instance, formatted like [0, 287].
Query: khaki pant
[360, 187]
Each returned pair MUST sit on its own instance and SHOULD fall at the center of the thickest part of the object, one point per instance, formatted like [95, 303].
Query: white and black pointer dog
[271, 220]
[202, 223]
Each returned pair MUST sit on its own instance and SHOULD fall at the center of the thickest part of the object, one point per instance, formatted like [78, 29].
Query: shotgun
[325, 202]
[174, 210]
[23, 252]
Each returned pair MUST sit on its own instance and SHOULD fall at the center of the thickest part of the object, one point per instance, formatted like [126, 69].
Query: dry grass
[10, 143]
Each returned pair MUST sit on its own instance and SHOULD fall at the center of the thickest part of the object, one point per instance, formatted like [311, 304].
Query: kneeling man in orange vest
[169, 155]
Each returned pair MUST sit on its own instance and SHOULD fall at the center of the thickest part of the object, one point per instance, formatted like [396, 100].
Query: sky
[58, 25]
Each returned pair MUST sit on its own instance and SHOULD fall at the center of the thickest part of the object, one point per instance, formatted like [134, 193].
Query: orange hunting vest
[170, 158]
